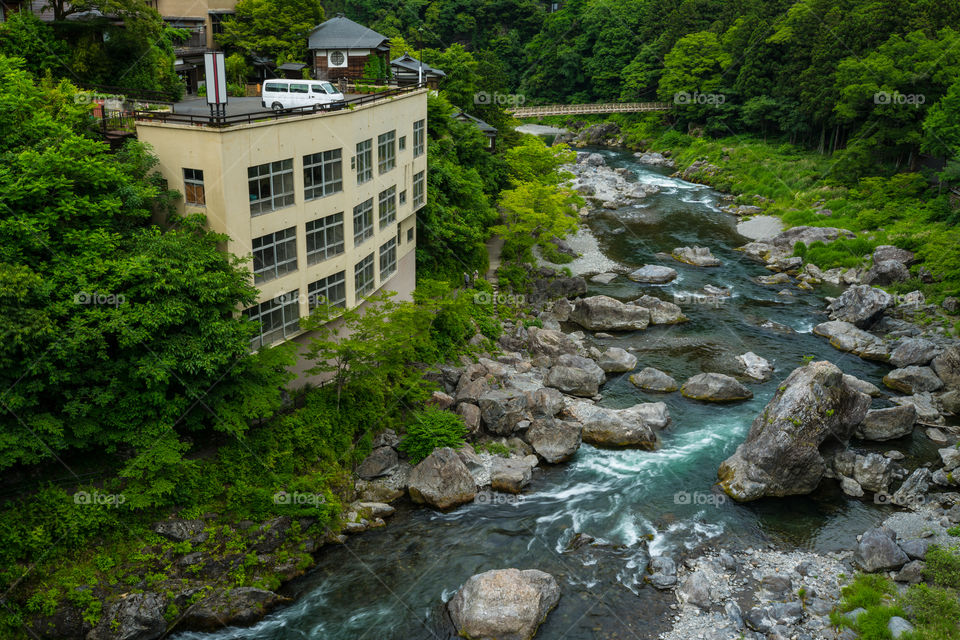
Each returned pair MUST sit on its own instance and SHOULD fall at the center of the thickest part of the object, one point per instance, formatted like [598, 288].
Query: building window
[193, 187]
[402, 143]
[324, 238]
[403, 197]
[387, 206]
[362, 222]
[216, 22]
[410, 234]
[386, 151]
[322, 174]
[419, 129]
[388, 259]
[279, 318]
[364, 161]
[271, 186]
[419, 187]
[331, 291]
[274, 255]
[363, 276]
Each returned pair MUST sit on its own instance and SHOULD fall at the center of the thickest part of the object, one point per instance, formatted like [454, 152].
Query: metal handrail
[220, 122]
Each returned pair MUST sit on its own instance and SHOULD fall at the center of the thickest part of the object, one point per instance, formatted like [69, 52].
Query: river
[388, 584]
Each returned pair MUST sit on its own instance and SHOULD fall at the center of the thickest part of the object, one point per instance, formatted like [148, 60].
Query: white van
[288, 94]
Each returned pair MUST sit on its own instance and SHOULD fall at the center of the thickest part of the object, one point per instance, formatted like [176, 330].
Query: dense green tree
[276, 29]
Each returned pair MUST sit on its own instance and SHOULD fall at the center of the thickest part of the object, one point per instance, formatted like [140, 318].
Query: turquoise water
[389, 584]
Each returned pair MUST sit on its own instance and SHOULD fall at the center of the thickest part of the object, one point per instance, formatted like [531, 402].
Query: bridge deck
[567, 109]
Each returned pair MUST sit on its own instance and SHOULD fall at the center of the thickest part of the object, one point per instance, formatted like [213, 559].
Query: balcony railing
[196, 40]
[220, 122]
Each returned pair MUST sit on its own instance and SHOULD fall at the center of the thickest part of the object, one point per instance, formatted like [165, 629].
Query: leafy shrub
[432, 428]
[943, 567]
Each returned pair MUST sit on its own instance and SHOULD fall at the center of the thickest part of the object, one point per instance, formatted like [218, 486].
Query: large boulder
[137, 616]
[661, 311]
[650, 379]
[755, 366]
[226, 606]
[653, 274]
[696, 256]
[545, 402]
[554, 440]
[918, 351]
[380, 462]
[502, 409]
[847, 337]
[504, 604]
[617, 360]
[510, 475]
[947, 367]
[781, 455]
[886, 272]
[912, 379]
[715, 387]
[635, 426]
[575, 375]
[886, 252]
[809, 235]
[878, 551]
[887, 424]
[861, 305]
[551, 343]
[873, 472]
[442, 480]
[603, 313]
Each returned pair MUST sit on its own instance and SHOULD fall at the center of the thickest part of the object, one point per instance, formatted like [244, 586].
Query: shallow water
[389, 584]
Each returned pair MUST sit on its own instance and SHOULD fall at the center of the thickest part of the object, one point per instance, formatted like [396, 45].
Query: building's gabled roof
[409, 63]
[466, 117]
[291, 66]
[343, 33]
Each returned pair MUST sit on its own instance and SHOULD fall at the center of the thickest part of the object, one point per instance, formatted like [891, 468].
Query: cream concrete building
[324, 203]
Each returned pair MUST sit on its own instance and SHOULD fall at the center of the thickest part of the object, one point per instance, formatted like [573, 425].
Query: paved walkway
[494, 247]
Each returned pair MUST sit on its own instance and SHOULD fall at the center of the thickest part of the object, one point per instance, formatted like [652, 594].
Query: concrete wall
[225, 154]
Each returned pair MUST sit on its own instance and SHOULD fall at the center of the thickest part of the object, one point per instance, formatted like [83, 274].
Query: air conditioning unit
[337, 59]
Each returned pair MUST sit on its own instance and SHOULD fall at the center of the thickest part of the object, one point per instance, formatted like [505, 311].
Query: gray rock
[653, 274]
[911, 492]
[695, 590]
[916, 548]
[851, 487]
[470, 414]
[873, 471]
[636, 426]
[661, 311]
[950, 402]
[715, 387]
[603, 313]
[239, 606]
[727, 561]
[809, 235]
[549, 342]
[510, 475]
[651, 379]
[617, 360]
[380, 462]
[950, 457]
[777, 278]
[553, 440]
[951, 304]
[442, 480]
[504, 604]
[603, 278]
[502, 409]
[776, 587]
[898, 626]
[910, 351]
[138, 616]
[878, 551]
[947, 367]
[863, 386]
[389, 437]
[177, 530]
[575, 375]
[545, 402]
[561, 309]
[890, 252]
[860, 305]
[696, 256]
[847, 337]
[781, 456]
[887, 424]
[912, 379]
[886, 272]
[756, 367]
[925, 405]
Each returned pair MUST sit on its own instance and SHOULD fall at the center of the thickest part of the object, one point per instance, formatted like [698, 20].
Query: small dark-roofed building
[292, 70]
[406, 71]
[341, 48]
[485, 128]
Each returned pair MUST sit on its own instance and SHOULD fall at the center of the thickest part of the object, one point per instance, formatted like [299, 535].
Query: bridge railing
[609, 107]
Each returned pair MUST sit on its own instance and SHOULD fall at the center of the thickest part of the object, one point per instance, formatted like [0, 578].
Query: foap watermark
[710, 99]
[99, 298]
[895, 97]
[297, 498]
[910, 501]
[508, 299]
[502, 99]
[699, 498]
[99, 499]
[685, 299]
[87, 97]
[497, 498]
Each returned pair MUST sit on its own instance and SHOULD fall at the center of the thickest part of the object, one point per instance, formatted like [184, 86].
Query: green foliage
[276, 29]
[943, 567]
[432, 428]
[237, 67]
